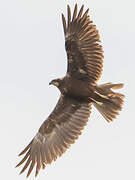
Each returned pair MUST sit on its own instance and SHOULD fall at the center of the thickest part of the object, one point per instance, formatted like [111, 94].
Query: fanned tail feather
[108, 102]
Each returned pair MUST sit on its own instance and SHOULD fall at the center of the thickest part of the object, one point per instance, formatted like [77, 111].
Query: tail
[107, 102]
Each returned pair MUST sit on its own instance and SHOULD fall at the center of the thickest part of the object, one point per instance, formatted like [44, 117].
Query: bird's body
[79, 90]
[76, 87]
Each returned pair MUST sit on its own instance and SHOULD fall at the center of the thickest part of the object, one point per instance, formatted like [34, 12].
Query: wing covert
[56, 134]
[82, 43]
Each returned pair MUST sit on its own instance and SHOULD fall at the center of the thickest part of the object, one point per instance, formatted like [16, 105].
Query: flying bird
[79, 91]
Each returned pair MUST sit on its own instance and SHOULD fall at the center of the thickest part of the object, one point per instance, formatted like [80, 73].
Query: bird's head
[56, 82]
[60, 84]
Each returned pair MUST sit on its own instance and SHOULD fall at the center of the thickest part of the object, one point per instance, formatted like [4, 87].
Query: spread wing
[84, 53]
[56, 134]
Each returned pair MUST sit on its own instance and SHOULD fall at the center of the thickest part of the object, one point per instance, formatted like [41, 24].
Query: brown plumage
[78, 92]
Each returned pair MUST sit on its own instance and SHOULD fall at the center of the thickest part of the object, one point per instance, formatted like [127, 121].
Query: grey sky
[31, 54]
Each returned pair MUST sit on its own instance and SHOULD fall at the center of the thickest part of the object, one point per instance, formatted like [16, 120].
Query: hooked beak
[50, 83]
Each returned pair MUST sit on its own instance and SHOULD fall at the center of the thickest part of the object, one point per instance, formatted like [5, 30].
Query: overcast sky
[31, 55]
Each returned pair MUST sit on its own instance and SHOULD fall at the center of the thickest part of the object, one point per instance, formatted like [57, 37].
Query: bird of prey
[79, 90]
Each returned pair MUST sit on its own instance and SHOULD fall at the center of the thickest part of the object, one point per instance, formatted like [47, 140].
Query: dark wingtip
[20, 153]
[36, 174]
[27, 175]
[21, 172]
[82, 6]
[68, 6]
[80, 12]
[17, 166]
[75, 6]
[64, 22]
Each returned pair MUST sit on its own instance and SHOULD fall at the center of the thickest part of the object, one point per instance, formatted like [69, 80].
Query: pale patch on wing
[56, 134]
[82, 71]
